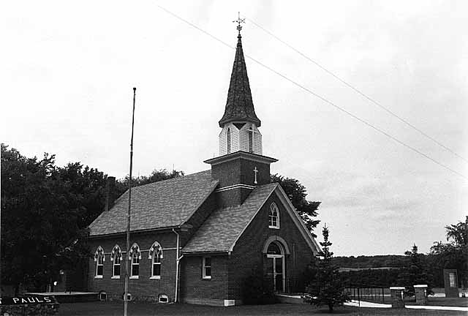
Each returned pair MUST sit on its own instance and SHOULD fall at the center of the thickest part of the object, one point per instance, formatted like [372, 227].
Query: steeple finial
[239, 21]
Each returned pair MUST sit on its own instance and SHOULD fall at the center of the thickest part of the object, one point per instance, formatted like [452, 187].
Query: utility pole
[127, 259]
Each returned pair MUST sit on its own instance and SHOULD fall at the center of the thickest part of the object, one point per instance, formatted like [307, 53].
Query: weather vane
[239, 21]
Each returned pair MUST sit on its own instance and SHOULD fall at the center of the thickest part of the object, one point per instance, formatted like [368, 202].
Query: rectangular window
[156, 272]
[100, 266]
[116, 270]
[135, 266]
[206, 269]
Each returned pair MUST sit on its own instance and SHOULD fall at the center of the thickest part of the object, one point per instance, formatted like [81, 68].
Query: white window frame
[272, 217]
[134, 257]
[205, 276]
[116, 258]
[155, 255]
[99, 258]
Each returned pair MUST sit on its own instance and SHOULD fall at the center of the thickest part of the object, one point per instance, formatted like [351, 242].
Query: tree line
[413, 266]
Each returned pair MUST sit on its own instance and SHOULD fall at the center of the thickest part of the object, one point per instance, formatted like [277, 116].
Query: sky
[67, 72]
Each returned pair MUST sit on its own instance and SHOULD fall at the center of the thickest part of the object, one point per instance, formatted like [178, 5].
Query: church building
[196, 238]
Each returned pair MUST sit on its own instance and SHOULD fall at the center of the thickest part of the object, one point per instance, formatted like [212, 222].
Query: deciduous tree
[454, 253]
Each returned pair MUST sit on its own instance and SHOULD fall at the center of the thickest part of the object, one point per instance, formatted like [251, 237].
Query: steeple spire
[239, 105]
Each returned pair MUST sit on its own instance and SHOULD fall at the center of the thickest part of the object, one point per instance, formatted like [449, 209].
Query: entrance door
[275, 268]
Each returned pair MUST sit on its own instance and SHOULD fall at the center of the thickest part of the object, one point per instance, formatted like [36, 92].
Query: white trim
[278, 225]
[244, 155]
[116, 277]
[235, 186]
[298, 220]
[204, 276]
[98, 276]
[280, 240]
[134, 277]
[155, 277]
[292, 212]
[229, 303]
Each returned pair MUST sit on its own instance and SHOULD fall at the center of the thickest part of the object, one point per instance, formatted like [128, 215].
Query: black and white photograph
[208, 157]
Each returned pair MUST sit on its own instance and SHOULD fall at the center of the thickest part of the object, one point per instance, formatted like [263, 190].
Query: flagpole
[127, 259]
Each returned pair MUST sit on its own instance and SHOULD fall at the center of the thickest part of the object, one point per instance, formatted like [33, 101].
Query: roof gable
[298, 220]
[157, 205]
[224, 227]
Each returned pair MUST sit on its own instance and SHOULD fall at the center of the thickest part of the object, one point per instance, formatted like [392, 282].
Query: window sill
[274, 227]
[135, 277]
[158, 277]
[98, 277]
[116, 277]
[206, 278]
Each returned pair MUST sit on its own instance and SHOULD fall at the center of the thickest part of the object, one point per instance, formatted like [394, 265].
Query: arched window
[251, 139]
[228, 140]
[134, 256]
[99, 258]
[274, 249]
[116, 258]
[275, 265]
[273, 217]
[155, 255]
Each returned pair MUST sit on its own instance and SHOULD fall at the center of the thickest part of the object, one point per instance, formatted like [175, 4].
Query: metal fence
[373, 294]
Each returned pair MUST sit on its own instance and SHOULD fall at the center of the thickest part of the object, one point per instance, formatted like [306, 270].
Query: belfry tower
[240, 166]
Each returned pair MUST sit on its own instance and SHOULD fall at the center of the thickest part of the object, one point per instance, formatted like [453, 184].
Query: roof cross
[239, 21]
[255, 172]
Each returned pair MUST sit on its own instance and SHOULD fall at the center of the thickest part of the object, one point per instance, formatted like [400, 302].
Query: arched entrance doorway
[275, 266]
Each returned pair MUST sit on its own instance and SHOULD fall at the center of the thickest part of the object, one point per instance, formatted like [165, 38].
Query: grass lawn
[150, 309]
[447, 301]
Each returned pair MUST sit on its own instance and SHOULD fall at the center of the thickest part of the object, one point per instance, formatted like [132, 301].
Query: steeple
[240, 166]
[239, 122]
[239, 105]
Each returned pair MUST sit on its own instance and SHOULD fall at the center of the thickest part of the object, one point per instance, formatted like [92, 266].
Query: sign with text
[27, 300]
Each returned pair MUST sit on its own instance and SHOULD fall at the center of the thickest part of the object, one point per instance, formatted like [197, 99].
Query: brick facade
[247, 254]
[144, 287]
[228, 270]
[195, 289]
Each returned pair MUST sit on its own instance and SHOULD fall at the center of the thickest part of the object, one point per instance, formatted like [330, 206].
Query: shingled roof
[239, 105]
[224, 226]
[157, 205]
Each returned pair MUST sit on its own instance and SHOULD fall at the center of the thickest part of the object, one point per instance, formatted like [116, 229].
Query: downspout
[176, 292]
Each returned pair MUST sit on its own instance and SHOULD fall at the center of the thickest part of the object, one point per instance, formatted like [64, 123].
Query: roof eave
[140, 231]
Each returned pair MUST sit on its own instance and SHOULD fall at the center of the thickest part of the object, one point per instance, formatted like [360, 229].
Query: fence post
[396, 293]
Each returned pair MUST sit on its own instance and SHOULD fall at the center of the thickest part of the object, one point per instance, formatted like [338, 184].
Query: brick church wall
[142, 288]
[195, 289]
[248, 255]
